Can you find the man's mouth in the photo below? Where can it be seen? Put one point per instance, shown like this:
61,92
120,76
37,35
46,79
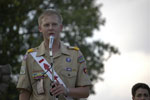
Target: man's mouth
51,34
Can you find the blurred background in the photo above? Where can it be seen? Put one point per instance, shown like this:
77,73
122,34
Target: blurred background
112,34
127,27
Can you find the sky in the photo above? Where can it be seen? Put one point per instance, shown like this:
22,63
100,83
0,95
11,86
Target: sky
127,28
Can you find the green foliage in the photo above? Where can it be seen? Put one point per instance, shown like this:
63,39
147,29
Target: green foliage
19,32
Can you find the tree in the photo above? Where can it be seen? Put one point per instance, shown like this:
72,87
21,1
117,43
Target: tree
19,32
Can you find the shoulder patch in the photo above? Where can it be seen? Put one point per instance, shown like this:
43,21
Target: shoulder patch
30,50
81,59
74,48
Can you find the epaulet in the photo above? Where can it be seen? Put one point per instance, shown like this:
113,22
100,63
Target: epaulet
73,48
30,50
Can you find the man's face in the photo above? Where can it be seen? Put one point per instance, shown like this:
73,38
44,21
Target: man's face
141,94
50,26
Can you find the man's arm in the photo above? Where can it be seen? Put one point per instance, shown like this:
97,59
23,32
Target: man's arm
79,92
24,95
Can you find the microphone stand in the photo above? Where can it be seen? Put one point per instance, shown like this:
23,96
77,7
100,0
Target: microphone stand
51,59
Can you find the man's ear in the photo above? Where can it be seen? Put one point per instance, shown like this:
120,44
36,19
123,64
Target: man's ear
39,28
61,27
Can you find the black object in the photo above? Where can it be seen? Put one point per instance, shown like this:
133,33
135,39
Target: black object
51,93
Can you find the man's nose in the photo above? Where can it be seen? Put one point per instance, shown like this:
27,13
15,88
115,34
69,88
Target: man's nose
50,26
143,98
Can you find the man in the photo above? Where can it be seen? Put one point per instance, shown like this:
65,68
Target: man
140,91
68,62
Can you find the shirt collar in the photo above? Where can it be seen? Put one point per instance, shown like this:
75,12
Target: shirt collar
64,48
42,50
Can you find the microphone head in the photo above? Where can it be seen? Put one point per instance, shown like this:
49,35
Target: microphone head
51,40
51,37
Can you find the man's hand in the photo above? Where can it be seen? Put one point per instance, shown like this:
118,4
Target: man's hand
24,95
77,92
58,89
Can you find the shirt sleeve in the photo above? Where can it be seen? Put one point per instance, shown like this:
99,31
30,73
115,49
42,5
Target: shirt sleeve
82,77
24,79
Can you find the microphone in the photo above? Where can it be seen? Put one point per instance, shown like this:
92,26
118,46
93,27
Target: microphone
51,40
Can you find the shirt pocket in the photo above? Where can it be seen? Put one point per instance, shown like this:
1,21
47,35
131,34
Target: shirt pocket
37,77
69,78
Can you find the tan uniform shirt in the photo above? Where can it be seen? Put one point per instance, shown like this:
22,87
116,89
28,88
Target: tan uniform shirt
69,64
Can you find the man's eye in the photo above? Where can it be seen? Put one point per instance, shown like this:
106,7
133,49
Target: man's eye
139,95
46,25
54,24
145,95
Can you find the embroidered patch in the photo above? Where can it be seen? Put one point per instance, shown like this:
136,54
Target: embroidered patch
68,69
39,75
47,67
56,78
41,60
85,70
22,70
68,59
81,59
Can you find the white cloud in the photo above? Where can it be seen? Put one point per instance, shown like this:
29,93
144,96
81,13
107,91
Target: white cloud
126,23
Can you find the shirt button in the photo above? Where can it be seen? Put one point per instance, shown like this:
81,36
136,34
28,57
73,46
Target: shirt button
68,74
